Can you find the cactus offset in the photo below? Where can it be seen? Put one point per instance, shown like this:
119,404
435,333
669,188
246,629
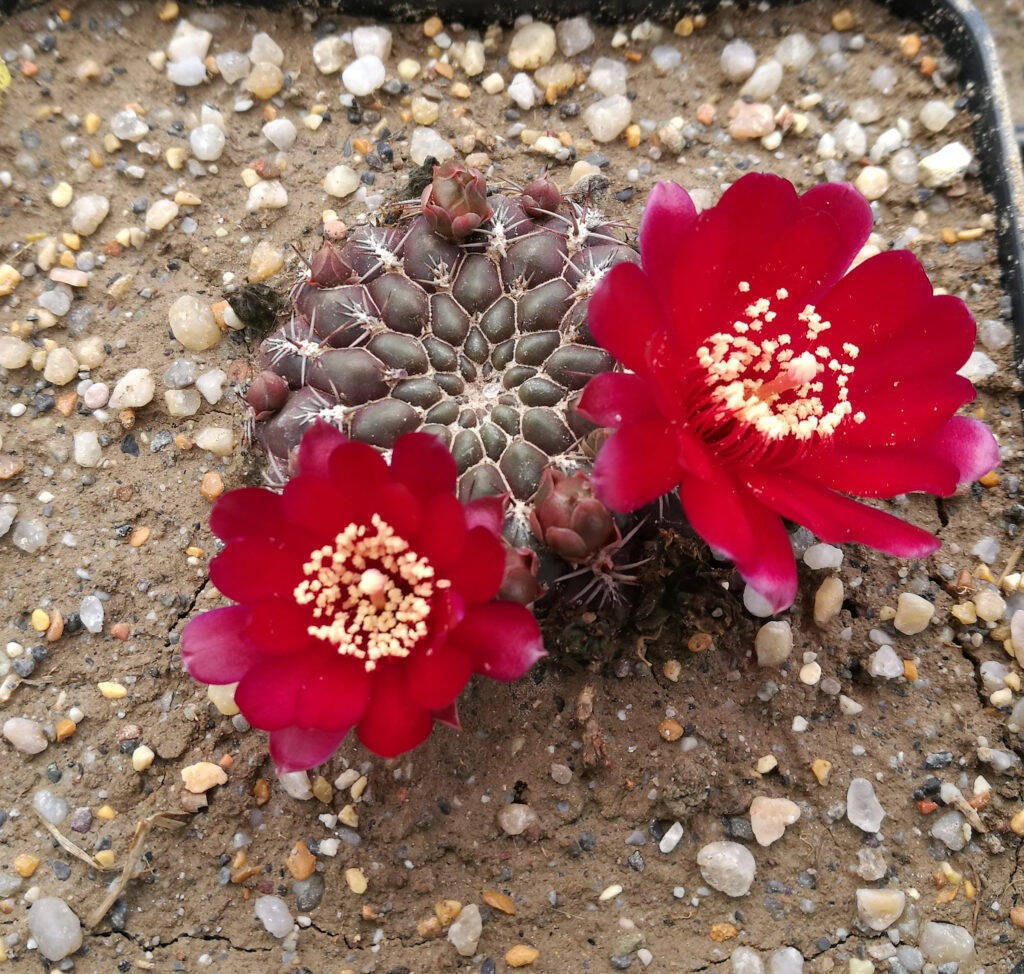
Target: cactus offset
473,332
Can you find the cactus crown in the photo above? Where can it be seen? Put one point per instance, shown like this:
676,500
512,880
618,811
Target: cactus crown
455,202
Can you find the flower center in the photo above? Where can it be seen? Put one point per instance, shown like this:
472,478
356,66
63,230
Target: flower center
781,387
372,591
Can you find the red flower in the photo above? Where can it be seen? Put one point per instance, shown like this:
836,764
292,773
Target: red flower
365,599
763,383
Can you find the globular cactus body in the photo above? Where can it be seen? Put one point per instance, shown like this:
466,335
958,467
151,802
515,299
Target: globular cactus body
467,321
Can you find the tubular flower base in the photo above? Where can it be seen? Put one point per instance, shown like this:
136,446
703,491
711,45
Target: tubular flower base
366,599
764,381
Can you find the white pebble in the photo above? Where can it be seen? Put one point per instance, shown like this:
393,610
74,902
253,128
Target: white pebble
192,323
218,440
133,390
88,212
936,115
574,35
160,214
764,82
267,195
207,142
341,181
364,75
737,60
280,132
329,55
186,73
373,41
87,451
54,927
233,66
608,117
944,167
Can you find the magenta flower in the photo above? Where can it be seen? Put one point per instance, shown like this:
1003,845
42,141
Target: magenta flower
366,599
764,382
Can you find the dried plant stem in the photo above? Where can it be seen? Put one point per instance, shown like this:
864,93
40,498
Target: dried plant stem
67,844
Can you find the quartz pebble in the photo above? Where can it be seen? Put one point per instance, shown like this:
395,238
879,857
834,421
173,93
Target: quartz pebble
773,643
879,909
913,613
90,611
273,913
515,819
738,60
54,927
25,735
341,181
764,82
133,390
819,556
364,75
280,132
944,167
671,838
885,664
86,450
728,867
786,960
794,51
329,55
88,212
769,818
872,182
207,142
936,115
608,76
608,117
61,367
233,66
532,45
52,807
267,195
744,960
14,352
751,120
264,80
523,91
862,807
202,776
218,440
946,943
211,385
128,126
193,324
574,35
186,73
464,934
951,830
160,214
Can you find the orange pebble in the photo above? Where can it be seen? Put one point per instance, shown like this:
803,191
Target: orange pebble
926,807
706,114
120,630
29,69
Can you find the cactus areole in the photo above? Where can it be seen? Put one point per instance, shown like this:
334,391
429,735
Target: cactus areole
367,595
466,321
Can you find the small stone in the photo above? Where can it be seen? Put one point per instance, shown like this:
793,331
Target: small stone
193,324
207,142
951,830
574,35
493,83
561,774
936,115
743,960
273,913
265,50
473,58
372,40
608,118
54,927
773,643
88,212
90,611
280,132
751,120
871,864
764,82
60,195
862,807
329,55
989,605
265,262
14,352
608,76
112,690
464,933
309,892
521,955
341,181
885,664
203,776
356,881
182,402
364,75
25,735
267,195
737,60
794,51
913,614
133,390
515,818
532,46
879,909
61,367
872,182
211,385
186,73
128,126
26,865
944,167
86,450
160,214
786,960
426,142
671,838
728,867
828,600
300,861
233,66
52,807
994,335
769,818
946,943
264,80
142,757
819,556
218,440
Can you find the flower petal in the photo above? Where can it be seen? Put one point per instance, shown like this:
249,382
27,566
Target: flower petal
848,209
315,449
836,519
323,507
434,677
443,535
883,472
424,464
297,749
502,638
392,724
214,647
622,314
356,466
251,568
246,512
967,443
398,506
478,573
279,625
637,464
268,694
614,398
669,214
724,514
334,694
486,512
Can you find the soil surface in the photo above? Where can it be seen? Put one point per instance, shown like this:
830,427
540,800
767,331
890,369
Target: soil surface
585,885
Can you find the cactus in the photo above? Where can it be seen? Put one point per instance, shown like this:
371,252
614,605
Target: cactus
468,321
